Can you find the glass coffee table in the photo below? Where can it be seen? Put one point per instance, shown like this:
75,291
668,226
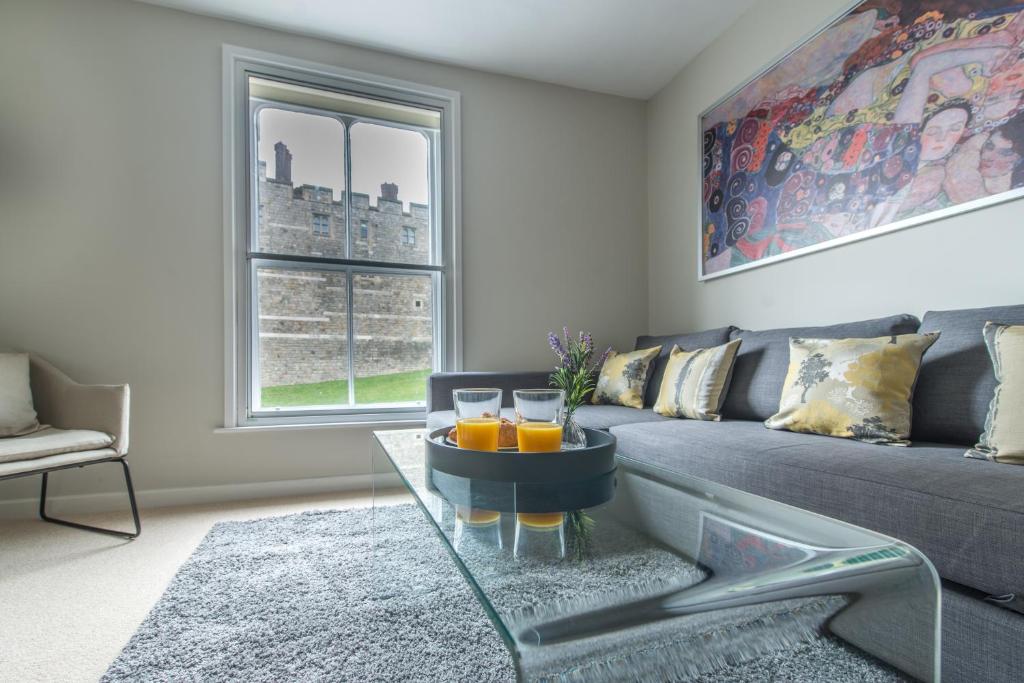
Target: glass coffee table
673,578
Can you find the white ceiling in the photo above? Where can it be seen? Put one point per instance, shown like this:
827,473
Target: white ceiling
623,47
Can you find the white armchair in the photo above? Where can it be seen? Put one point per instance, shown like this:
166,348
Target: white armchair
88,425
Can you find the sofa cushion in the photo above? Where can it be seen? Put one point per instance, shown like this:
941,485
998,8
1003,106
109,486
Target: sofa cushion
594,417
51,441
606,417
763,360
687,342
446,418
965,515
957,382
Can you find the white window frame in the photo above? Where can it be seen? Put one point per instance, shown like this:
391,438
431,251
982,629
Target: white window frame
238,64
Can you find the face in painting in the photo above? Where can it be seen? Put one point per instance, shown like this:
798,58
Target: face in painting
941,134
998,157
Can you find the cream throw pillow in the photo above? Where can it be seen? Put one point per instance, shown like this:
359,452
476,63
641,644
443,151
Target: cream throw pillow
852,388
1003,438
624,377
695,382
17,414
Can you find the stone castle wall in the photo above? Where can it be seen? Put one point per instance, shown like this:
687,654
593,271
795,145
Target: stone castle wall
303,314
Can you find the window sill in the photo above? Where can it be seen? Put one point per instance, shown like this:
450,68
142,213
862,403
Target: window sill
306,426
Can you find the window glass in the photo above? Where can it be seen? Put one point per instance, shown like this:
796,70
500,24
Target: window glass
321,224
394,338
331,331
300,182
303,338
391,190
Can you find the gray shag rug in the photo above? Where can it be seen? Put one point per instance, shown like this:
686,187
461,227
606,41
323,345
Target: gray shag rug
312,597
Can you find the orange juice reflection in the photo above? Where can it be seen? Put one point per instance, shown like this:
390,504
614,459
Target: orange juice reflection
541,520
478,433
476,516
539,437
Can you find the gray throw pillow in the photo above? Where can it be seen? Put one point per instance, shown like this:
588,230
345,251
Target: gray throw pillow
17,413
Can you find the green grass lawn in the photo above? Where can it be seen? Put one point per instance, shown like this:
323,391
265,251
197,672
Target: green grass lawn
400,387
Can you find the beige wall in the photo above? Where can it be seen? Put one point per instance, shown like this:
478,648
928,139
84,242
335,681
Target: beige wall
972,259
111,240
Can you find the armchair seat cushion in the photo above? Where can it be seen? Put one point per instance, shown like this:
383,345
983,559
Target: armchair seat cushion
48,462
51,441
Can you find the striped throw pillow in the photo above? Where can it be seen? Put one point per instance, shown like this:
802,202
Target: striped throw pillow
1003,438
695,382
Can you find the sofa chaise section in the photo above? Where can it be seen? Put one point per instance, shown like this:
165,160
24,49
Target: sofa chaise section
965,515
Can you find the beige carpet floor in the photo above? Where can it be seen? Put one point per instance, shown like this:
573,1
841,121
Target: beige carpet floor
70,600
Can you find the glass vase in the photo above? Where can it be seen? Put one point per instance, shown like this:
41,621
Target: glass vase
572,434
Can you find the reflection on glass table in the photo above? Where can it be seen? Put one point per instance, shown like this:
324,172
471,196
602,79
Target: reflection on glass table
672,576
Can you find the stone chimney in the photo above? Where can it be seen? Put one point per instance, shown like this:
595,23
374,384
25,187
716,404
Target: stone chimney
282,163
389,191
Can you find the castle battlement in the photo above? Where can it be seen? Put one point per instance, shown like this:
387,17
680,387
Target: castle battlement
387,202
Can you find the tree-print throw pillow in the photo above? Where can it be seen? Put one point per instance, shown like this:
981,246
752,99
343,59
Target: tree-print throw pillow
624,377
852,388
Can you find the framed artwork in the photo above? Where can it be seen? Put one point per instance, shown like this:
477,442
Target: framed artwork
895,113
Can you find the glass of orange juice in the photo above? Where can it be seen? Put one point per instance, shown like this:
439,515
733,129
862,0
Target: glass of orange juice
539,417
477,424
477,418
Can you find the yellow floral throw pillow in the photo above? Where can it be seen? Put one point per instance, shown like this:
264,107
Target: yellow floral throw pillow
1003,438
695,381
852,388
624,377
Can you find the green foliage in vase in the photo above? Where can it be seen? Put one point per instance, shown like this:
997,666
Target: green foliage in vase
575,372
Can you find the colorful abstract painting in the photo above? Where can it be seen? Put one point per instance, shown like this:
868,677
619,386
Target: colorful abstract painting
899,112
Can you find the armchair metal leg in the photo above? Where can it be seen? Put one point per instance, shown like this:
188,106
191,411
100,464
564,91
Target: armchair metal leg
86,527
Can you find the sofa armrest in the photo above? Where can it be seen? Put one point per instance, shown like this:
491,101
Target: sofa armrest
440,385
65,404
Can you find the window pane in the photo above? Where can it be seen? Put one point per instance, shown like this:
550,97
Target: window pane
391,191
394,338
303,347
300,184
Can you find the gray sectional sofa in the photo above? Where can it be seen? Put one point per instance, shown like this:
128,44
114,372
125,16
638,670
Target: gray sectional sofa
966,515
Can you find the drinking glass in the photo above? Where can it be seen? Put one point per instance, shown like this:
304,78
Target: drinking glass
539,417
477,424
539,535
482,527
477,418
